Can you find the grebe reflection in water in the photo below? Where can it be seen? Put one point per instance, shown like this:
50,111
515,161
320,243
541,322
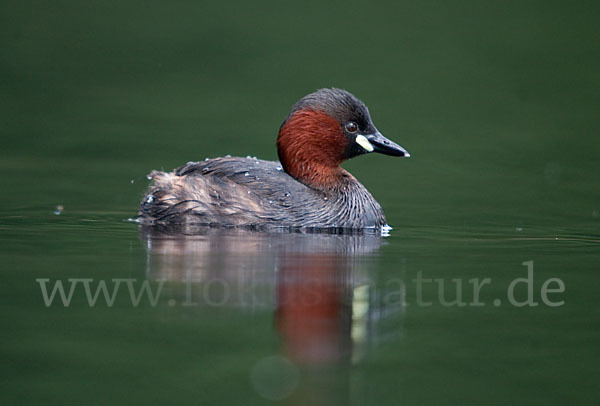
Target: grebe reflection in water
321,287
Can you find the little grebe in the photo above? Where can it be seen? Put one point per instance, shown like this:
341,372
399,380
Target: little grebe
306,189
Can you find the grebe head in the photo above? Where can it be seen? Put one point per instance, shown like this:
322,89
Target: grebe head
324,129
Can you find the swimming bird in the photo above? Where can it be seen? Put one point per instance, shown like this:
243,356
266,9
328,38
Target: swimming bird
307,188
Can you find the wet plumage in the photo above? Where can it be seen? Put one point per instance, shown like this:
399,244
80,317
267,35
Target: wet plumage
243,191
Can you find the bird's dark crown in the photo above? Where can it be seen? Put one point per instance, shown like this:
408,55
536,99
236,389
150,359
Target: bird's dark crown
338,104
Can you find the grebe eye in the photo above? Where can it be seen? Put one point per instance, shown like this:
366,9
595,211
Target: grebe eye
351,127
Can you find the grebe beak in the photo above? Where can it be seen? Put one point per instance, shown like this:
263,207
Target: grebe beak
376,142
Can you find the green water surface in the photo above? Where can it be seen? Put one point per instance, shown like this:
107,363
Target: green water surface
497,102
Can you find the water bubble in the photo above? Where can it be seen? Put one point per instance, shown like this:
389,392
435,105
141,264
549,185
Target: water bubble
227,156
59,209
519,229
149,177
275,377
279,168
248,157
149,199
206,159
132,181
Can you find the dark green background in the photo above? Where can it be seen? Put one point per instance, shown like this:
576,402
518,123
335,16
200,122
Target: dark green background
497,103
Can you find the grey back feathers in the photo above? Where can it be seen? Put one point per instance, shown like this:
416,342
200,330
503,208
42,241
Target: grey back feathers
256,193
